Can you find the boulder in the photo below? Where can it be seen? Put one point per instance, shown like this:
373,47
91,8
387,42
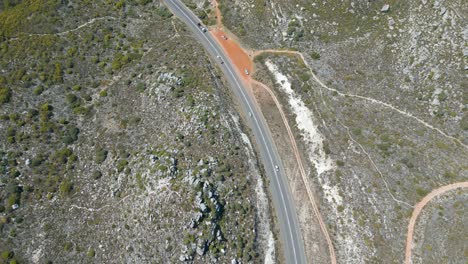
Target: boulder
385,8
201,248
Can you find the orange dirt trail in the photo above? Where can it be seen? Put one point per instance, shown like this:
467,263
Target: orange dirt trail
417,210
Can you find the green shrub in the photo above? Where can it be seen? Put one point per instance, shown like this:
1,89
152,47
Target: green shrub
119,61
421,192
58,73
315,55
163,12
450,175
12,199
141,87
38,90
61,156
71,134
71,52
103,93
340,208
73,100
91,253
45,112
340,163
81,110
66,187
101,155
144,2
68,246
38,160
7,254
120,4
121,165
97,174
5,95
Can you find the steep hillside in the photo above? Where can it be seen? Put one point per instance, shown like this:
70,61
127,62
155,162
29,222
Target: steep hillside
379,105
119,142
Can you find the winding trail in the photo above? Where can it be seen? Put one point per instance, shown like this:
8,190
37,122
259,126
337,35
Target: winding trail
417,210
372,100
91,21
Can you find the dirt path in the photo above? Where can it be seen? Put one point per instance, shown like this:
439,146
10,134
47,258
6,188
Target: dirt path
219,17
417,210
323,227
369,99
92,21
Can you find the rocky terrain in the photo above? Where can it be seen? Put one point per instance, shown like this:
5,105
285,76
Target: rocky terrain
379,105
440,228
119,142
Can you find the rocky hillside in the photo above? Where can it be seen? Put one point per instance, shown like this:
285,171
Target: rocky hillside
119,142
387,109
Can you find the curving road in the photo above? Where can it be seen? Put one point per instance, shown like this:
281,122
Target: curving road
292,244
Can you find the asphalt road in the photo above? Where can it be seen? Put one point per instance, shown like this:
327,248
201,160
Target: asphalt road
291,240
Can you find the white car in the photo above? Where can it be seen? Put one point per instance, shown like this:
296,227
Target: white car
203,29
276,168
246,71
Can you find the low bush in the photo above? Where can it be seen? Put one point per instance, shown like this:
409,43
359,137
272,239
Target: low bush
5,95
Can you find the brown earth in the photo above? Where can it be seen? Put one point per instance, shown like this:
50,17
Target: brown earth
241,59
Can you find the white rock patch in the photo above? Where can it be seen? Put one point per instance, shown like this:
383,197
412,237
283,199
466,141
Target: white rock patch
305,123
270,251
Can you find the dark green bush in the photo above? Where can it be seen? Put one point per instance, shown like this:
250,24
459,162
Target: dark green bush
315,55
101,155
71,134
5,95
97,174
121,165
